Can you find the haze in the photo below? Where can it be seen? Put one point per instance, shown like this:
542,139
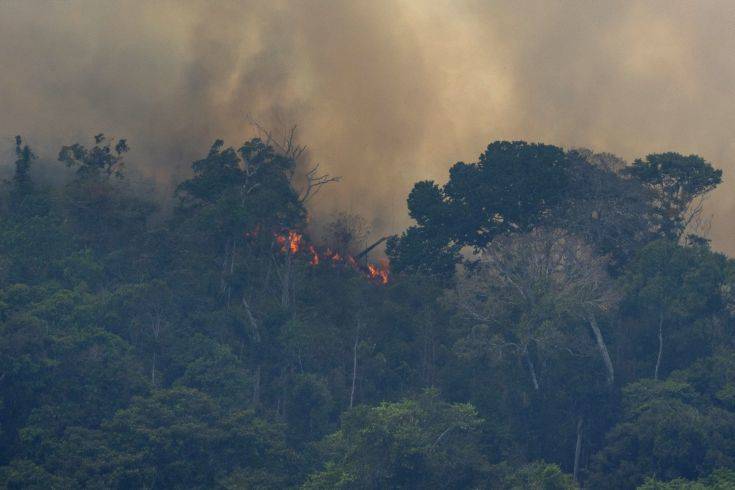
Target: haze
384,93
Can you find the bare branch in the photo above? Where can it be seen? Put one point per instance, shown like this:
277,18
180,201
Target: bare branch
315,182
288,147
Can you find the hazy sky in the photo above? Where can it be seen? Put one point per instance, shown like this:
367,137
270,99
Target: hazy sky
384,92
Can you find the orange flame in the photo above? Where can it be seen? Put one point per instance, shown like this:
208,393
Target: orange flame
314,255
380,273
291,242
294,239
372,270
384,276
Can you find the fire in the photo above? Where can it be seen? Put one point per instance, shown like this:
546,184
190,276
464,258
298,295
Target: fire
385,271
314,255
289,242
384,276
379,273
292,243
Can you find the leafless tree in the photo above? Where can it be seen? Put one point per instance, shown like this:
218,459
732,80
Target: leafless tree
526,287
310,180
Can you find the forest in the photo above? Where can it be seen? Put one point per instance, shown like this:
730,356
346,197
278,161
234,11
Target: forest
552,319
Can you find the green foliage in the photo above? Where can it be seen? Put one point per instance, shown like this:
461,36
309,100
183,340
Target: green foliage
101,161
679,291
22,184
420,443
24,474
191,349
666,431
536,476
676,181
510,188
718,480
239,190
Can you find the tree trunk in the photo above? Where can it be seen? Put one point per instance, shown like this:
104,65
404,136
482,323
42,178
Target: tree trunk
156,330
223,274
354,366
531,369
231,272
153,370
251,319
256,387
660,344
286,285
256,338
578,449
603,349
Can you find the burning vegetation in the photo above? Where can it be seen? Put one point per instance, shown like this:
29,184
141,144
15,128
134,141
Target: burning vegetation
293,243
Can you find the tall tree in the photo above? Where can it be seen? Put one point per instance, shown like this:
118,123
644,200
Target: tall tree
510,188
670,288
528,286
421,443
678,183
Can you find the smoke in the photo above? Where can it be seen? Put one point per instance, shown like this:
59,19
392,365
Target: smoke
384,93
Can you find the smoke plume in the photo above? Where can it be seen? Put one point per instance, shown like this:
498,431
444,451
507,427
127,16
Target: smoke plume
384,93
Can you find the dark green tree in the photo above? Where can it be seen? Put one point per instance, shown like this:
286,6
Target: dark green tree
512,187
678,184
421,443
674,295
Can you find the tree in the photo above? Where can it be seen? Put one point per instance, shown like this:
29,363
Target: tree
420,443
527,286
537,476
207,348
185,440
26,475
419,251
669,288
22,184
666,431
233,192
104,212
608,209
511,188
679,183
720,479
528,296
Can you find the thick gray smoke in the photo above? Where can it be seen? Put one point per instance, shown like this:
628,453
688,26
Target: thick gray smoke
384,93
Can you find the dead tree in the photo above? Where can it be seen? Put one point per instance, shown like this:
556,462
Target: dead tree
370,248
532,281
542,276
311,179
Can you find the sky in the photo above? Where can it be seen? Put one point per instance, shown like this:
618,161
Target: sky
384,93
